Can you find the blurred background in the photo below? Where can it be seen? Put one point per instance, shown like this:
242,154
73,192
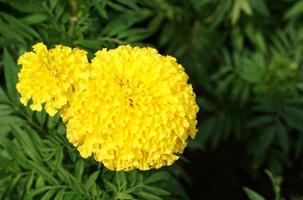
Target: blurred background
244,59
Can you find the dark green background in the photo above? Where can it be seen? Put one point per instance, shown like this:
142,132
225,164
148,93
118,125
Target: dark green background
244,59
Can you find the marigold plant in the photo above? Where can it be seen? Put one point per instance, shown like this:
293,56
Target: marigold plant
135,111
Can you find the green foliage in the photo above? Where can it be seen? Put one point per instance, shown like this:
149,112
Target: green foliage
243,57
276,182
39,164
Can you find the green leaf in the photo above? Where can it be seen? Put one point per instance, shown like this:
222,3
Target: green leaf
35,18
282,136
260,121
110,186
155,190
92,179
100,6
89,43
43,171
263,143
156,177
121,180
147,196
125,21
21,28
238,6
79,170
48,195
10,74
256,37
9,33
293,117
15,152
252,194
30,182
40,183
6,41
5,110
260,6
220,13
11,185
3,96
60,194
124,196
28,146
11,120
28,7
294,11
206,129
129,3
52,122
41,117
253,69
62,173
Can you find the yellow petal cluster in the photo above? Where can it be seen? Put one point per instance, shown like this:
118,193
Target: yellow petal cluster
47,76
136,110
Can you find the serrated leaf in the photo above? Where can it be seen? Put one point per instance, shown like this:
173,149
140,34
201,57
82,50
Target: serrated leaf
9,33
12,185
5,109
35,18
260,121
263,143
123,22
41,117
6,41
60,194
49,194
92,179
293,117
30,182
28,146
220,13
21,28
28,7
11,120
238,6
110,186
124,196
79,170
52,122
40,183
155,190
100,6
3,96
10,74
295,10
156,177
282,136
252,194
15,152
260,7
89,43
121,180
147,196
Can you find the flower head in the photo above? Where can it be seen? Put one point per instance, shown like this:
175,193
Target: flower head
136,110
47,76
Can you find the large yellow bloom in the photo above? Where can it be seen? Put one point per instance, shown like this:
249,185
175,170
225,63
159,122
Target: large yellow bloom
47,76
136,110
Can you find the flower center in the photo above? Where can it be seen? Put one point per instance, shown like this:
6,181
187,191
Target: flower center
130,90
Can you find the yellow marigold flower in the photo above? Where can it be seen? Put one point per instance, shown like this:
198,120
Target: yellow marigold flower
47,76
136,111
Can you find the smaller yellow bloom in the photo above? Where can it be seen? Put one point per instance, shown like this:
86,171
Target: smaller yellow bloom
47,77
